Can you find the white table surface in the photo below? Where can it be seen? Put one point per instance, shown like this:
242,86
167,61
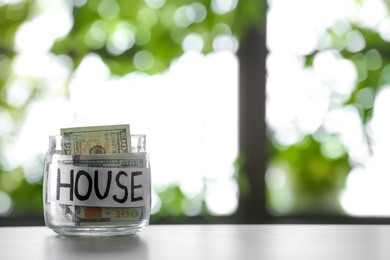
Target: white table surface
220,242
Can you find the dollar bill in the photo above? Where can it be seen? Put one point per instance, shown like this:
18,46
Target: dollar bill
101,146
106,216
96,140
105,161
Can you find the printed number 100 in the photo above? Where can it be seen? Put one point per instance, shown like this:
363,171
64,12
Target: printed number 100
124,213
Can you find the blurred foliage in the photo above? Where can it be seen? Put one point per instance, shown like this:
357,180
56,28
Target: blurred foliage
11,17
136,35
148,36
118,31
26,196
316,179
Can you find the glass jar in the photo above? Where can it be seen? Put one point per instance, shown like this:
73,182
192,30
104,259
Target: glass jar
97,186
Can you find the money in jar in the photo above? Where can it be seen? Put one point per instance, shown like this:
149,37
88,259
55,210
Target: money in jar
97,181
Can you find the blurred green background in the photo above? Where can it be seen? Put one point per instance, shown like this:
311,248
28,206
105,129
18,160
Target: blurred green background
318,163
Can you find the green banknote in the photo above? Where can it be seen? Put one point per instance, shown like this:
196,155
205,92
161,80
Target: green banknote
96,140
101,146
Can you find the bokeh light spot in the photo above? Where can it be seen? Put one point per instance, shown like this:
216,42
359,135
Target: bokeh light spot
355,41
185,15
366,97
121,40
155,3
200,11
372,12
384,29
193,42
96,37
39,33
7,122
361,67
374,59
221,29
92,66
6,204
33,171
275,178
386,73
143,60
79,3
109,9
18,92
324,40
147,17
223,6
332,148
167,16
286,136
221,198
225,43
331,67
301,39
156,203
192,207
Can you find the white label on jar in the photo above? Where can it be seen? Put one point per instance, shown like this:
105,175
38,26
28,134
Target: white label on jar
100,181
